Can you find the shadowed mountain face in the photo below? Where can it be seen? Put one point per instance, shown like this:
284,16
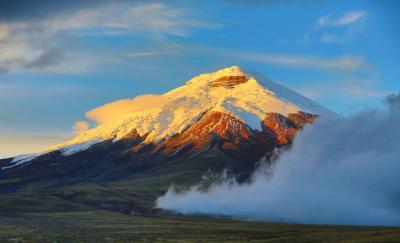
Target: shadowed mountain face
238,122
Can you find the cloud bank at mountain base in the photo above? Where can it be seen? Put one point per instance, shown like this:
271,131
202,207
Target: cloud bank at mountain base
344,171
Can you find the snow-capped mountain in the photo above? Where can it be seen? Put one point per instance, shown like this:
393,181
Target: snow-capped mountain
230,91
230,104
224,121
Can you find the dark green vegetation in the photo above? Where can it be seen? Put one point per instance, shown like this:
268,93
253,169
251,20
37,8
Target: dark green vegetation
107,195
106,176
98,183
105,226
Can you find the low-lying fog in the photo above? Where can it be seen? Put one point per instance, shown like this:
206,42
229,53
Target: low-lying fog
337,172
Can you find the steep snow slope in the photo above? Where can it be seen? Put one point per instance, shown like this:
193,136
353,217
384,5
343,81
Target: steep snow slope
232,91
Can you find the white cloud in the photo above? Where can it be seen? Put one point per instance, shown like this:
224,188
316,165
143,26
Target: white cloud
345,88
148,53
364,92
3,31
125,106
346,19
126,18
337,172
351,17
330,29
343,63
25,44
80,127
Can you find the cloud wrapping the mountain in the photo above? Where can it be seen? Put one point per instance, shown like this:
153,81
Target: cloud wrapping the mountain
80,127
125,106
337,172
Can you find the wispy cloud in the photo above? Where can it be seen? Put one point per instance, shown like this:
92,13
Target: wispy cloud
338,171
346,19
80,127
109,111
127,18
349,75
148,53
37,44
364,91
3,31
342,63
271,2
341,88
337,29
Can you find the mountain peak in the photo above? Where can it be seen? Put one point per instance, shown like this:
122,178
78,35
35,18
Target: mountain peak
230,91
230,71
227,77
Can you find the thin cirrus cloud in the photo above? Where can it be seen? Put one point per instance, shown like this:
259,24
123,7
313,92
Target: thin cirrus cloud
342,63
149,53
338,29
346,19
346,68
272,2
36,44
128,18
345,88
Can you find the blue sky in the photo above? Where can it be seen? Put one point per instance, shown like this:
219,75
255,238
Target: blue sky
58,61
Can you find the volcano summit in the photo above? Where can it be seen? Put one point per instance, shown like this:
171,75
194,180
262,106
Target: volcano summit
229,119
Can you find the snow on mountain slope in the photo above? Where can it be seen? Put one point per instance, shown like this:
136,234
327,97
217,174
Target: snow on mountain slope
293,97
242,95
19,160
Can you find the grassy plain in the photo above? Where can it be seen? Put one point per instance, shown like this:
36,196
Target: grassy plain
105,226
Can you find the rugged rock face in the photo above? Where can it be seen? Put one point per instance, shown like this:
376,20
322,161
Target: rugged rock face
230,135
199,136
229,81
302,118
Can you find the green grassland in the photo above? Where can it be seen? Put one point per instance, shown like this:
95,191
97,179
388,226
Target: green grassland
105,226
105,202
134,192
